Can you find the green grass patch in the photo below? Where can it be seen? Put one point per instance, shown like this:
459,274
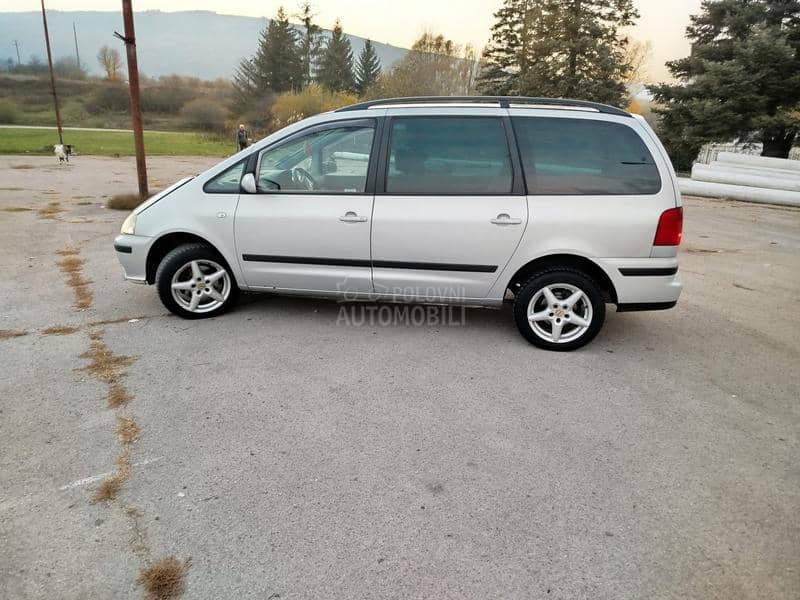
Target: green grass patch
111,143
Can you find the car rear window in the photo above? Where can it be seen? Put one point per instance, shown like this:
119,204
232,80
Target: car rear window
563,156
448,155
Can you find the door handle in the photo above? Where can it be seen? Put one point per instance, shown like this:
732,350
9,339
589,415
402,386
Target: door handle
505,219
351,217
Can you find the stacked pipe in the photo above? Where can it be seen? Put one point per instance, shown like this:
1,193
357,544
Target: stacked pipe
746,177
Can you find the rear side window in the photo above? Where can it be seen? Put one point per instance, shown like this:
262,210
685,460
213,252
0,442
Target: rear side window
580,156
448,155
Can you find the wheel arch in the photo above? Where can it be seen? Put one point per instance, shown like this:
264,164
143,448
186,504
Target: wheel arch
168,242
573,261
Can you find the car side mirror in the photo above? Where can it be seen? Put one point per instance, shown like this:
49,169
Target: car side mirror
248,183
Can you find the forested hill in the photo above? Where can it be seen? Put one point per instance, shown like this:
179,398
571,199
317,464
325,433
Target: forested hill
191,43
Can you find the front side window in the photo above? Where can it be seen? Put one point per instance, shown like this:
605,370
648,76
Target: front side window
226,182
332,160
448,155
562,156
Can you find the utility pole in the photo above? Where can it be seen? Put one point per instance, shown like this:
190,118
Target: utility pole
133,83
77,53
52,77
16,45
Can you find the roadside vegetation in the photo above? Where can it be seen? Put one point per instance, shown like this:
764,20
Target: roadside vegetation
740,83
113,143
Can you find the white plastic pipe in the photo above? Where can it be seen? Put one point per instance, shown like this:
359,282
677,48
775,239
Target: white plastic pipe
702,172
708,189
764,171
758,161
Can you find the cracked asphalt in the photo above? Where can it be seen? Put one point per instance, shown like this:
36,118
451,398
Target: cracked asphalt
288,455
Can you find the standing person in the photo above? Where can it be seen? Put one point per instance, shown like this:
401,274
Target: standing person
241,137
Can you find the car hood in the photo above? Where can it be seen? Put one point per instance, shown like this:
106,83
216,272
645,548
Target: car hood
155,198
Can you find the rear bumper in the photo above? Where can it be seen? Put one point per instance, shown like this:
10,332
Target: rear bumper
645,283
132,254
646,306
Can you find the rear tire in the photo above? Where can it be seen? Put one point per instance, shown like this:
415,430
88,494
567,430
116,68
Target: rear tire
559,309
195,282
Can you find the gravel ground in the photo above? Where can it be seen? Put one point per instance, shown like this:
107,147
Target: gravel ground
288,456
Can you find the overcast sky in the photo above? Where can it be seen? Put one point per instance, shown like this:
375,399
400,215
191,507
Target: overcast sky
399,22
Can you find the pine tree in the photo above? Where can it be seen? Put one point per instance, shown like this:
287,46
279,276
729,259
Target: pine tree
506,58
310,42
367,69
276,67
584,52
336,64
560,48
742,79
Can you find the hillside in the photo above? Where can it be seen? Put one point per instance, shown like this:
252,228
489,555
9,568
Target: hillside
190,43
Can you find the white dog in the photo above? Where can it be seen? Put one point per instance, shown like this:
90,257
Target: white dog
62,151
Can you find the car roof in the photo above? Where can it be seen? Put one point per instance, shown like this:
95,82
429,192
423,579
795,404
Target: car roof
487,101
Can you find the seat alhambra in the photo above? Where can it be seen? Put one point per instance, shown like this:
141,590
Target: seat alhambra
564,205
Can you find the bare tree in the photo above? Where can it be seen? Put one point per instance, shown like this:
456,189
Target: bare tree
434,66
637,55
110,61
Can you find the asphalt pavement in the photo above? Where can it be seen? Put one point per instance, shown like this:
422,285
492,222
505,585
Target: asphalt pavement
289,454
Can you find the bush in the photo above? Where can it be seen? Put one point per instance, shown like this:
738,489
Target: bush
124,201
204,114
111,97
166,98
293,106
9,112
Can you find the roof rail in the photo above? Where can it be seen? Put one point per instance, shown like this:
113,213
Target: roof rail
503,101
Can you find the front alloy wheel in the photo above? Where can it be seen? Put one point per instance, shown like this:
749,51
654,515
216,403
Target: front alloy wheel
201,286
559,309
194,282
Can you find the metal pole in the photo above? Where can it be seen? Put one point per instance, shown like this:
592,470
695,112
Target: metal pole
77,53
52,77
16,45
133,83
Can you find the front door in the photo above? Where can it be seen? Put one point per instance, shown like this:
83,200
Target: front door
449,213
308,226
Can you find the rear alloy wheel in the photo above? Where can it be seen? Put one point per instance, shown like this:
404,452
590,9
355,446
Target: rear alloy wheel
195,283
559,309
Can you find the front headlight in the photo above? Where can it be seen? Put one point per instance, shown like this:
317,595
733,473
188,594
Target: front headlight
129,225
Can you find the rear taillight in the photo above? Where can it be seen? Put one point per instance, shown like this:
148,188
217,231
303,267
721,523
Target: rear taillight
670,228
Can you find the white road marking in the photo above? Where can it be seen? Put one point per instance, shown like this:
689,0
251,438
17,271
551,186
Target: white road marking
93,478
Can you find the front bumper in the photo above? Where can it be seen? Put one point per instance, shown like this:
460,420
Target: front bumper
132,254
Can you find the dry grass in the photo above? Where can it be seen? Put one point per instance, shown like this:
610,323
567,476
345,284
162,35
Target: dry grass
104,365
15,209
72,265
111,486
60,330
11,333
165,579
118,396
109,489
127,430
51,211
124,201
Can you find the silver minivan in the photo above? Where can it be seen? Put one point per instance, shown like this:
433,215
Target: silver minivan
564,205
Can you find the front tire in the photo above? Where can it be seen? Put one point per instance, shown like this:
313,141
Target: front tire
559,309
195,282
